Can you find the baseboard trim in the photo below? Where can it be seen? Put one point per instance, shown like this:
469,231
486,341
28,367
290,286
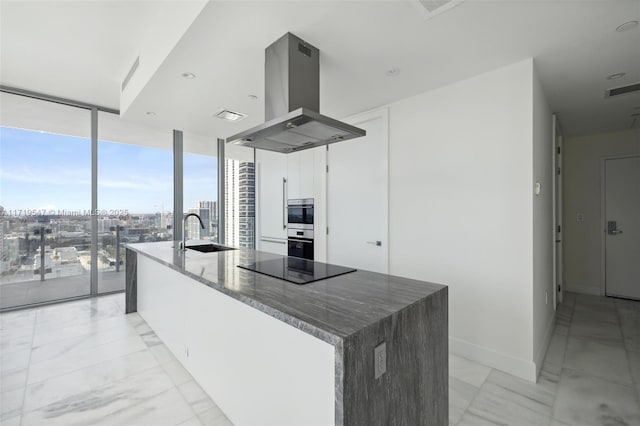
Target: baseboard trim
548,334
516,366
584,289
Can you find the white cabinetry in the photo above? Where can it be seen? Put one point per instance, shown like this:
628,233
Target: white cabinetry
272,201
293,175
305,171
300,173
272,245
281,177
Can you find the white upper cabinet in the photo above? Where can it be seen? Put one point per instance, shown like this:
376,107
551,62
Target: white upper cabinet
300,173
293,175
272,195
306,172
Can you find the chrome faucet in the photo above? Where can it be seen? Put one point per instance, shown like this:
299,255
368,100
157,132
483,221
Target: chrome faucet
183,246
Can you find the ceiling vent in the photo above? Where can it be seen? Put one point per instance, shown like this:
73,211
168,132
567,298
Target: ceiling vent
624,90
132,71
435,7
228,115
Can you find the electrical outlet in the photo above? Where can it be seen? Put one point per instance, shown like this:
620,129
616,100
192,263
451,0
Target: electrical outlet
580,217
380,359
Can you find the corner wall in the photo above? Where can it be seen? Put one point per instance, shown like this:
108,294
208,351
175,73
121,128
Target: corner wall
543,235
461,209
582,194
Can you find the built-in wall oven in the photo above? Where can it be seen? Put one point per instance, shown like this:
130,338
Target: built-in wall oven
300,228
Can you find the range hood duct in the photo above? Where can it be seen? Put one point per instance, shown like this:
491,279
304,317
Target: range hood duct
292,101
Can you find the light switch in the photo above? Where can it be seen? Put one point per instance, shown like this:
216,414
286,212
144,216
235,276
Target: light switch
580,217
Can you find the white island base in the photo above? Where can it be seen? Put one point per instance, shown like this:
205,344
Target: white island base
358,349
258,369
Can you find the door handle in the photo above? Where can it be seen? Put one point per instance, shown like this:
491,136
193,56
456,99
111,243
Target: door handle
284,200
377,243
612,228
272,240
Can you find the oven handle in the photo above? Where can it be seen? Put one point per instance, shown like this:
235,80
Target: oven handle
284,200
301,206
300,240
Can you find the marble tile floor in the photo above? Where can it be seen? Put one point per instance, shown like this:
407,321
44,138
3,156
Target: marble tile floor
590,375
86,363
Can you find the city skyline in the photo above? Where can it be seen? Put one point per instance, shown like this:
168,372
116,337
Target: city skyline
40,170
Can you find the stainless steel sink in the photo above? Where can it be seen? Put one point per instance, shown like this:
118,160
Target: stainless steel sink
209,248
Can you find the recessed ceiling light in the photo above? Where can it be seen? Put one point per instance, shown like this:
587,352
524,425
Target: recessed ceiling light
393,72
616,75
253,97
225,114
627,26
189,75
151,113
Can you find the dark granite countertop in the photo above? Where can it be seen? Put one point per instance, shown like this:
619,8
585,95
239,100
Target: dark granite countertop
330,309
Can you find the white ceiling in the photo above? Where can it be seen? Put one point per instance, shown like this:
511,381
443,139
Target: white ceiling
574,44
75,49
23,112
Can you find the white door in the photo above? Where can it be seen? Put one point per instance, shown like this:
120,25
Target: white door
622,227
357,196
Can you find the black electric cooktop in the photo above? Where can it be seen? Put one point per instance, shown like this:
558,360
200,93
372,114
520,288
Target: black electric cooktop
296,270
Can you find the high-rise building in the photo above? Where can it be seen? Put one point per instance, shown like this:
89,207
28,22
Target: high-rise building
232,202
247,205
208,211
240,203
105,225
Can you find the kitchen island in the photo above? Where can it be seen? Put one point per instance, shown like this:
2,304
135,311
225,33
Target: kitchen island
357,349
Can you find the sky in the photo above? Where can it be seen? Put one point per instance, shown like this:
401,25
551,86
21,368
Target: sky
48,171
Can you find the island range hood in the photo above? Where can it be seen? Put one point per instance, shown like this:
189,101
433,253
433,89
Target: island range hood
292,101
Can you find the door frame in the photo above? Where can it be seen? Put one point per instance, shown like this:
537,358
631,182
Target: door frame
603,218
556,199
354,120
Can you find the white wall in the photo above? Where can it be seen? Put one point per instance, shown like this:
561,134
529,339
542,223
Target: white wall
463,161
461,209
582,194
543,235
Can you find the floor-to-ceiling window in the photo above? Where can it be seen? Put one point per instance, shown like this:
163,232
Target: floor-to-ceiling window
48,219
55,242
200,183
45,194
135,193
